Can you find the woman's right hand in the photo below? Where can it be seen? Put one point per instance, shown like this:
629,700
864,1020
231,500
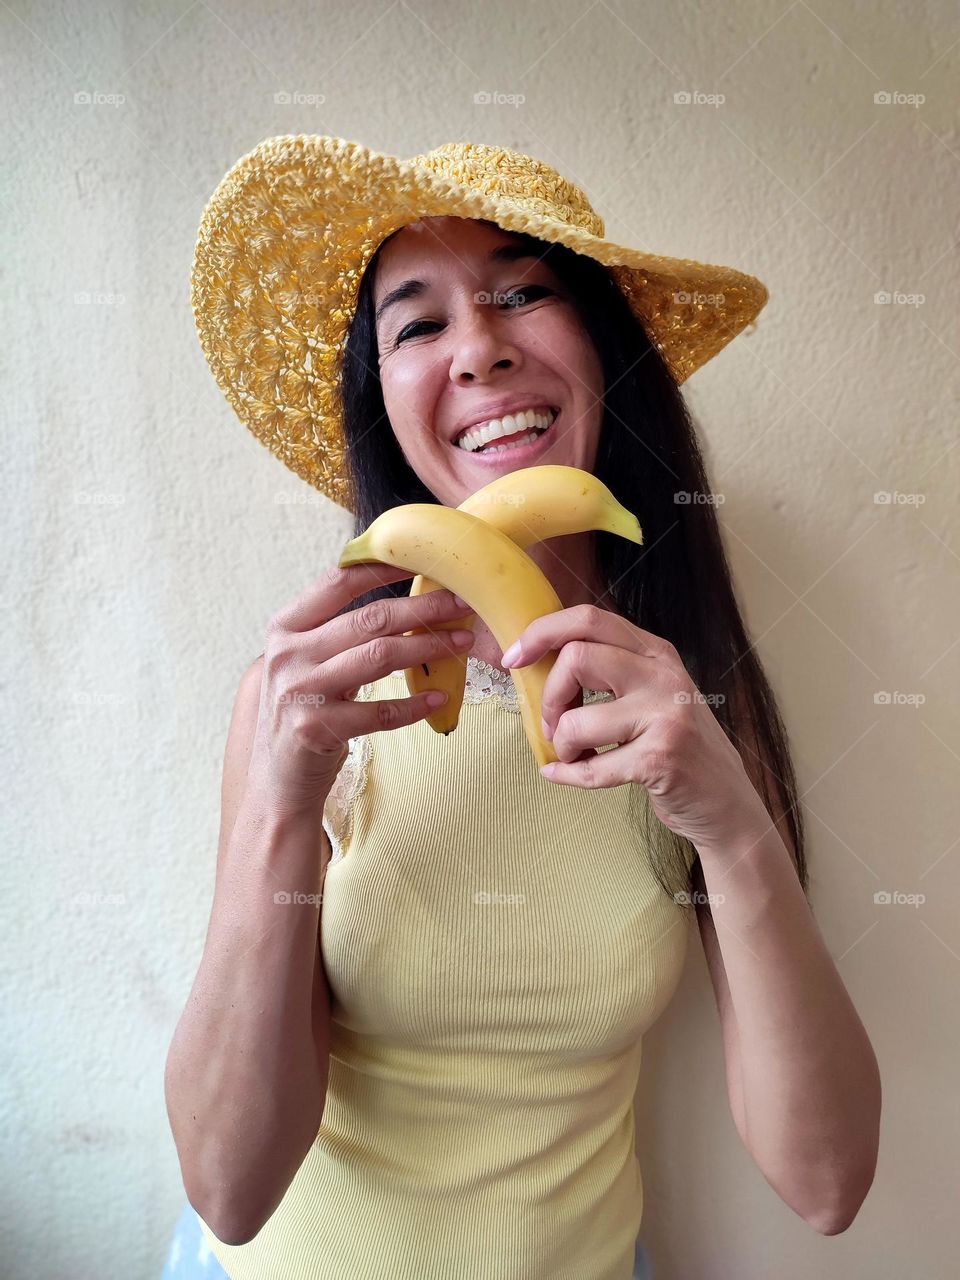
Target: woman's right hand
314,664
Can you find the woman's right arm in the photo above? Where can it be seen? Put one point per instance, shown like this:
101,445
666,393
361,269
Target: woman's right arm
246,1072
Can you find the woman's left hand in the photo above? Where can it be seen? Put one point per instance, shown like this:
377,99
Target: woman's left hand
668,738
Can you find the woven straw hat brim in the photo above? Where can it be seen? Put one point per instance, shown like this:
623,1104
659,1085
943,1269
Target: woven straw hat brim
284,240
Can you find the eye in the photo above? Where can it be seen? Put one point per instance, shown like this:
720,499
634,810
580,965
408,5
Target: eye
526,293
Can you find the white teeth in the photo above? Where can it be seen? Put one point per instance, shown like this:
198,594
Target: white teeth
514,444
531,419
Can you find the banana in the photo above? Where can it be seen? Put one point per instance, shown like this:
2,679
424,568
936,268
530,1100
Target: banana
481,564
528,505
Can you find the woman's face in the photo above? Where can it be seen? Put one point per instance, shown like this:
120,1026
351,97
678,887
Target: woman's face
480,337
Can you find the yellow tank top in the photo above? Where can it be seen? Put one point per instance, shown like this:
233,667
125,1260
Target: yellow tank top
496,945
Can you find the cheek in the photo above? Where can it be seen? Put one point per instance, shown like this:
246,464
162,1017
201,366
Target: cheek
562,344
410,386
405,387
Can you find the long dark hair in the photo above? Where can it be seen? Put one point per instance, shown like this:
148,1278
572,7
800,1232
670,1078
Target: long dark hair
677,586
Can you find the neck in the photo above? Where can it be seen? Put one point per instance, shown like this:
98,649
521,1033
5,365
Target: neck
570,564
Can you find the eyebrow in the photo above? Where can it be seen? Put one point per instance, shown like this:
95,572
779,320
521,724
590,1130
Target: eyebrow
414,288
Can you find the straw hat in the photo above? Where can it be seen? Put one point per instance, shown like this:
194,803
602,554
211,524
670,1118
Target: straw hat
286,236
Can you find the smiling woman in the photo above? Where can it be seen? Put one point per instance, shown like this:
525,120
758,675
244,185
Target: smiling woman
492,947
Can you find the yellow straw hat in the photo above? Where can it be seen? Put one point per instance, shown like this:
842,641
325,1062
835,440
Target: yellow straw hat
286,236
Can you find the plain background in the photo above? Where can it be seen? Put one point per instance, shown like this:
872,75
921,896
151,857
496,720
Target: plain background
149,537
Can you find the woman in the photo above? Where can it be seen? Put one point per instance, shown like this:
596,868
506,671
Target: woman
478,1112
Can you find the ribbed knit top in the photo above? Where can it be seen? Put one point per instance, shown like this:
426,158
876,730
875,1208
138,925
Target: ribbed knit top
496,945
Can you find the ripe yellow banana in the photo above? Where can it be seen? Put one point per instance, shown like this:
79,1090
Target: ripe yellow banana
475,560
528,505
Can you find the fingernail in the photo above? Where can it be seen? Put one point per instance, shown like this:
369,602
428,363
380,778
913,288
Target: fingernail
435,698
512,654
461,602
547,731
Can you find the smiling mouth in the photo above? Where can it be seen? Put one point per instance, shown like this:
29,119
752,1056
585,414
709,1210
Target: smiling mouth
526,435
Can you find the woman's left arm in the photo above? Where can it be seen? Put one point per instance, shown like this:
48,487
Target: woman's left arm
810,1080
809,1076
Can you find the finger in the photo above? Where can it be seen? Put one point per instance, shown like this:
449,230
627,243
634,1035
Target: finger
354,719
586,622
387,617
332,591
384,655
583,664
604,769
585,729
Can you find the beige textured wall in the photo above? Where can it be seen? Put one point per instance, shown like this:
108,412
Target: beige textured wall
149,538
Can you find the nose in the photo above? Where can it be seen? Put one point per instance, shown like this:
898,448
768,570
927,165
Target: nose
481,344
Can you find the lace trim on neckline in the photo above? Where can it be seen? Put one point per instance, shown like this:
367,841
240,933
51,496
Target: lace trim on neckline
484,683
